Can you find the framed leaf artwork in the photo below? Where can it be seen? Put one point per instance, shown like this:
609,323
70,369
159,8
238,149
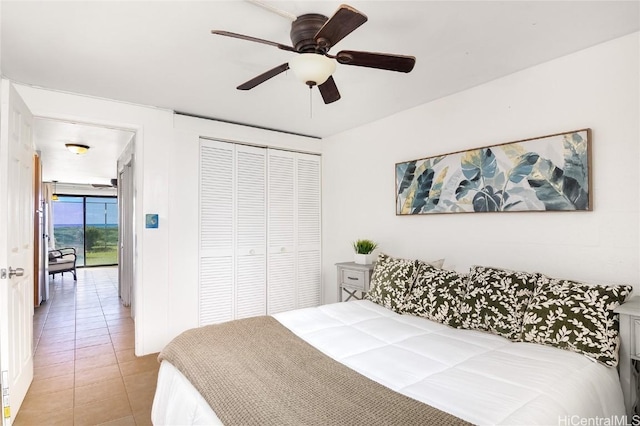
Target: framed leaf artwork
549,173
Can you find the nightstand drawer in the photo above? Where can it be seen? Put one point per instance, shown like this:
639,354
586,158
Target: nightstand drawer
354,279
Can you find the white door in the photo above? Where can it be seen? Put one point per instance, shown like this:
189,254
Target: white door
16,250
251,232
281,238
217,236
308,234
294,237
232,231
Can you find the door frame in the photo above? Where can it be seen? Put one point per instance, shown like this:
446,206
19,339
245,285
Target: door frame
126,219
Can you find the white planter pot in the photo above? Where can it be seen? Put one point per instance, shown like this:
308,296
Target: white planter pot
363,259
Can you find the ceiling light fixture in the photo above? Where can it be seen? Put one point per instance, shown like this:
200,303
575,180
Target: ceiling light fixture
312,68
77,148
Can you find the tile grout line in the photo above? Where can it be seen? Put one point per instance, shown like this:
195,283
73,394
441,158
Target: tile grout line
93,296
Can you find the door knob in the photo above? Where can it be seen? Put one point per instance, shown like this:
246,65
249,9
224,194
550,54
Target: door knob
18,272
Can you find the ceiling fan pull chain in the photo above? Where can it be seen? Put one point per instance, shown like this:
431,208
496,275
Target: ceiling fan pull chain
310,102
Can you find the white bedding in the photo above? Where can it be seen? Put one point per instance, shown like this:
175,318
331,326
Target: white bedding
477,376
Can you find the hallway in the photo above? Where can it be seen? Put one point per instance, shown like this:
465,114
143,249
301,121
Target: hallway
85,370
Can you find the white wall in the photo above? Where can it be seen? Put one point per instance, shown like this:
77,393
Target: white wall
166,177
154,137
596,88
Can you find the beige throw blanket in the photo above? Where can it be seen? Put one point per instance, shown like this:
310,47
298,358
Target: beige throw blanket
256,372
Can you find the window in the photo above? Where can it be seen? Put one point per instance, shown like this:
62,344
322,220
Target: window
90,224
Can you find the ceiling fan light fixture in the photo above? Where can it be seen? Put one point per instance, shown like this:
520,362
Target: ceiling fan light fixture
312,68
76,148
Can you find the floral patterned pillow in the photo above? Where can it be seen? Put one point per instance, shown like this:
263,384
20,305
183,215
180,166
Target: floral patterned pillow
496,300
576,316
436,295
391,280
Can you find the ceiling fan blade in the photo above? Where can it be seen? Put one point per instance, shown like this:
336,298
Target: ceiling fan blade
341,24
329,91
264,77
381,61
257,40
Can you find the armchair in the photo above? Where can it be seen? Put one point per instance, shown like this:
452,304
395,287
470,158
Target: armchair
63,260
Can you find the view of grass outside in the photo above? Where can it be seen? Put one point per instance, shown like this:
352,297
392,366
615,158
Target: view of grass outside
90,224
101,232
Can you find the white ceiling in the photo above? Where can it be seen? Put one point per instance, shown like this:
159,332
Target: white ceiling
97,166
163,54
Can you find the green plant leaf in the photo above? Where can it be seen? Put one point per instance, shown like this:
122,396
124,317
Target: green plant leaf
451,207
464,187
556,190
364,246
405,173
526,196
510,205
478,163
436,191
575,159
487,200
425,181
408,201
523,167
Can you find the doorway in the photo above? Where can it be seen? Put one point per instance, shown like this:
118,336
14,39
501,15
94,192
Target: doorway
86,190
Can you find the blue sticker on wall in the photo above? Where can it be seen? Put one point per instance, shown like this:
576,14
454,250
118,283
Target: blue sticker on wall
151,221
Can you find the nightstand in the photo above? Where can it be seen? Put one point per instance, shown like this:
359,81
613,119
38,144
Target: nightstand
353,280
629,363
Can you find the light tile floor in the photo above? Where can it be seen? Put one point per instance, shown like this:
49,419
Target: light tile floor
85,369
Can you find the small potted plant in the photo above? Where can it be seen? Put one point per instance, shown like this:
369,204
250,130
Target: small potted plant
363,249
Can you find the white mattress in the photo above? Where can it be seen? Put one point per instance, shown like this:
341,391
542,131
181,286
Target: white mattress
477,376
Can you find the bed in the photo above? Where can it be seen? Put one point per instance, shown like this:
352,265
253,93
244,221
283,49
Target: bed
429,346
476,376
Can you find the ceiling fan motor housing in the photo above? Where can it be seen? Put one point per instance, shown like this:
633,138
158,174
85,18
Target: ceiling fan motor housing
304,30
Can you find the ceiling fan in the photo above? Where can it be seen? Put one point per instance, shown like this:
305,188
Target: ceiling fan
312,35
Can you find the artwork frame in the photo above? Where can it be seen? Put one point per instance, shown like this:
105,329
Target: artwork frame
541,174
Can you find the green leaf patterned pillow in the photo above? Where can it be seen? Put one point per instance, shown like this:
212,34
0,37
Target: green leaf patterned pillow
576,316
436,295
496,300
391,280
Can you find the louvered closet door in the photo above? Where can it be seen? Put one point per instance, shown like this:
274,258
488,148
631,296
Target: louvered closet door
308,230
251,232
281,266
216,232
